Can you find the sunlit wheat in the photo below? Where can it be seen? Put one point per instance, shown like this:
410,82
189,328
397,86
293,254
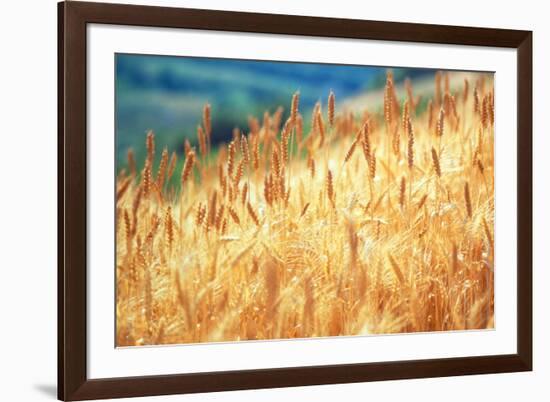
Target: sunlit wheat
368,223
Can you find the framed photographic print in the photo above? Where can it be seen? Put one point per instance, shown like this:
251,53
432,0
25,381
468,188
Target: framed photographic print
252,200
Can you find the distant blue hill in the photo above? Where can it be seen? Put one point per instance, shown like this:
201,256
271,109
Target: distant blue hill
166,93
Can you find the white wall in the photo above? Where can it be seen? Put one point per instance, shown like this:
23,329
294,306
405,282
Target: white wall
28,199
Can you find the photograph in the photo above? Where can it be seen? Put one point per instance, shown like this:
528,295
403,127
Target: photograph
275,201
266,200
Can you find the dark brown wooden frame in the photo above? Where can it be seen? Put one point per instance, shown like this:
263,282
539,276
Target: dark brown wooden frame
73,383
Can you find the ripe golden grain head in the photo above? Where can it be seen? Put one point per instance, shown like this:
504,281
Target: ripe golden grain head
440,128
430,114
256,152
372,165
131,162
187,167
405,116
466,90
410,143
477,108
244,193
201,136
435,162
320,127
146,180
150,145
388,99
234,215
239,173
252,213
207,120
245,150
294,108
402,189
330,188
311,166
169,227
201,213
172,165
163,166
330,108
438,94
351,149
231,150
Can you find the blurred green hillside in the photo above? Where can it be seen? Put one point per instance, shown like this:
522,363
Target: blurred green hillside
166,94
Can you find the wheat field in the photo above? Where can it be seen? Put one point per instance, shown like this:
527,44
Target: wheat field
365,223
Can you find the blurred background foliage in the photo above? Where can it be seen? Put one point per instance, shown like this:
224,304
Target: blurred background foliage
166,94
